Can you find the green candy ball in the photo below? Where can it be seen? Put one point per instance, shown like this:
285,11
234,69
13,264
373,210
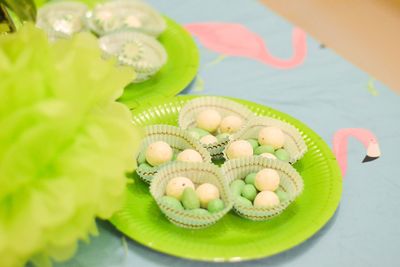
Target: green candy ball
282,154
253,143
243,202
222,136
249,192
264,149
283,196
197,133
200,212
215,205
171,202
175,155
250,178
141,158
189,199
237,186
145,166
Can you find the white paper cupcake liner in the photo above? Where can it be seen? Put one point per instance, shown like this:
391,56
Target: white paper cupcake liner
294,143
187,117
199,173
62,19
290,182
177,138
153,54
118,15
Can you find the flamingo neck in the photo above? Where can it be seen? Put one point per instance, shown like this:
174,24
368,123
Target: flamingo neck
299,46
340,143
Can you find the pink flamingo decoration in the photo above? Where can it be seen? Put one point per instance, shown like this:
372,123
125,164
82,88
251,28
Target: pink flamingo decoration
236,40
340,142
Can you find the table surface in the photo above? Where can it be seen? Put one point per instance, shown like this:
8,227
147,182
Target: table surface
325,92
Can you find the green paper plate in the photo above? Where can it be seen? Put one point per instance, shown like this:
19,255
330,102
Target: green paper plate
234,238
174,76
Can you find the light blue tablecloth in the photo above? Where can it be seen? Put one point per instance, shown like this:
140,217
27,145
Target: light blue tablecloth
327,93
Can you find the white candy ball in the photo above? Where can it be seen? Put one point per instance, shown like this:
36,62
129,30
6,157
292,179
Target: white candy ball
266,199
267,179
208,139
207,192
239,148
208,120
158,153
230,124
272,136
176,186
189,155
268,155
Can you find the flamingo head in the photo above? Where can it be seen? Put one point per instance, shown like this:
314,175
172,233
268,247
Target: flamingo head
373,151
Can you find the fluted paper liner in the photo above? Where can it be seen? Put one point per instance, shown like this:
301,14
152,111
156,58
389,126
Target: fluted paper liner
177,138
152,23
187,117
290,182
154,57
199,173
294,143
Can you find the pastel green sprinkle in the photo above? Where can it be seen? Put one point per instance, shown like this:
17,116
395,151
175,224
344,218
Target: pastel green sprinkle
243,202
263,149
253,143
215,205
250,178
171,202
189,199
249,192
282,154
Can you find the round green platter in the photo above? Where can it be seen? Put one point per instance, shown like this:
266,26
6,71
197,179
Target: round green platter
234,238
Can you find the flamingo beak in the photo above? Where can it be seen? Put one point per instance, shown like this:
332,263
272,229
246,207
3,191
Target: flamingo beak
368,158
373,152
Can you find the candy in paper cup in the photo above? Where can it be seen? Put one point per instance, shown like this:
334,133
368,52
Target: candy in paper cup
177,138
294,143
198,173
62,19
290,182
119,15
225,107
143,53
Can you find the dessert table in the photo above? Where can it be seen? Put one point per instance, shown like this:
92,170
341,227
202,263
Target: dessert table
301,77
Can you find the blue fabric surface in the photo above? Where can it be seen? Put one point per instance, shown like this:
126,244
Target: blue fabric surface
325,92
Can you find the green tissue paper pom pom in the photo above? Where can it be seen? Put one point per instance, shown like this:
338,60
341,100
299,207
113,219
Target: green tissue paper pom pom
65,144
